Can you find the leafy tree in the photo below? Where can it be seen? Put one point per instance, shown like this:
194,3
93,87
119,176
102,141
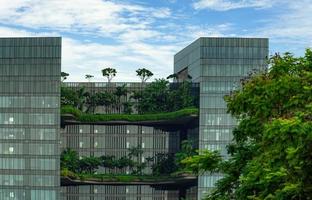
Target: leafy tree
127,107
187,150
173,76
69,160
271,153
134,154
120,91
164,164
64,76
124,162
89,164
204,161
155,97
69,97
92,100
135,151
105,99
89,77
108,161
180,96
144,74
75,98
109,73
82,97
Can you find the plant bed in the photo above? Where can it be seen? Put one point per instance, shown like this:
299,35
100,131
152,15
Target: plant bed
123,179
73,115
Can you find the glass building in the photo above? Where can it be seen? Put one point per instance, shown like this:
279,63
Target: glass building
29,118
218,64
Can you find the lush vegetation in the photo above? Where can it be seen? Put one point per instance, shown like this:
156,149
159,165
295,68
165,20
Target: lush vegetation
155,97
271,154
116,177
83,117
162,165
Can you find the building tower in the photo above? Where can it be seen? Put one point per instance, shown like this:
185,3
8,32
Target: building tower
218,64
29,118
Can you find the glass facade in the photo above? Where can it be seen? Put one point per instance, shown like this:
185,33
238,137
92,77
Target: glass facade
218,64
115,140
126,192
29,118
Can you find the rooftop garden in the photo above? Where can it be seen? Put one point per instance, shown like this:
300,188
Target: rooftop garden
157,100
164,166
85,117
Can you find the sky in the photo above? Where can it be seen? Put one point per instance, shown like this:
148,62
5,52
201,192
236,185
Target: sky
132,34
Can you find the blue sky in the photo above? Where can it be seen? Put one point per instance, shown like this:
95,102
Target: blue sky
131,34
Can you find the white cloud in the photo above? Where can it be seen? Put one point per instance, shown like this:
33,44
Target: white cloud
291,30
224,5
93,16
98,34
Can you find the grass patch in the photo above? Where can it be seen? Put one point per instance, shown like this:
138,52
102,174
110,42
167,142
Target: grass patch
70,110
115,177
83,117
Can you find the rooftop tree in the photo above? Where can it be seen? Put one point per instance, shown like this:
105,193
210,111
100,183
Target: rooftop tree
144,74
64,76
105,99
120,91
89,77
173,76
109,73
154,97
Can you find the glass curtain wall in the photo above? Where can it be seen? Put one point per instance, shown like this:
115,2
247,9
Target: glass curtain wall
218,64
29,118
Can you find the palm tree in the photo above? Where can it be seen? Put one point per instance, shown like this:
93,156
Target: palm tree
120,91
64,76
105,99
89,77
109,73
174,77
144,74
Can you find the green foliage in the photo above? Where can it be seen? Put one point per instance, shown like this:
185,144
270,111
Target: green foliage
204,161
120,91
135,151
162,164
271,153
128,117
159,97
91,102
67,173
69,160
108,161
109,73
165,164
154,97
180,97
89,164
70,110
124,162
173,76
116,177
187,150
144,74
89,77
69,97
127,107
105,99
64,76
